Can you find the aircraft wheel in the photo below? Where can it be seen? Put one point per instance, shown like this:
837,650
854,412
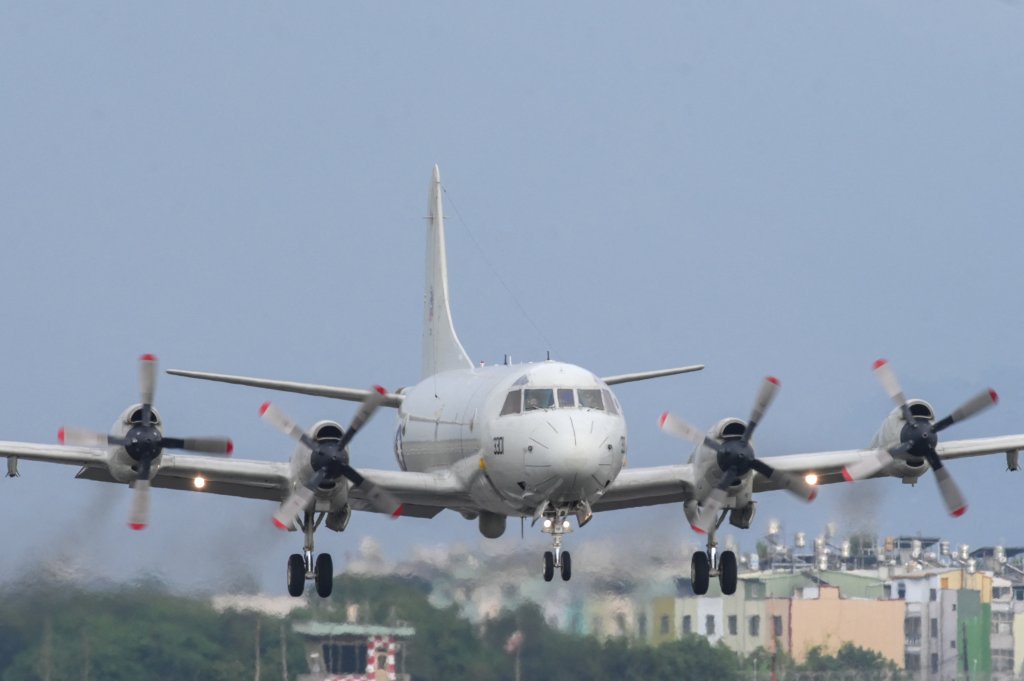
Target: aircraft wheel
700,573
727,572
324,575
549,566
566,566
296,575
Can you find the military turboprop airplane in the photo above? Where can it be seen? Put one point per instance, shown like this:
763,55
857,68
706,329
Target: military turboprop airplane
544,441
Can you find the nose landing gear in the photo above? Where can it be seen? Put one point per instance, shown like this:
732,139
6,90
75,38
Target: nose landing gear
557,524
302,567
709,563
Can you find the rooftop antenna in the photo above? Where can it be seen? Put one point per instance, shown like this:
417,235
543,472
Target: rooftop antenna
549,355
508,359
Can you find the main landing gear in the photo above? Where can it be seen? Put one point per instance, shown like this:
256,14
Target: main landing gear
301,566
709,563
557,524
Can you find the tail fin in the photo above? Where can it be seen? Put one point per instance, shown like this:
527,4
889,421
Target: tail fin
442,350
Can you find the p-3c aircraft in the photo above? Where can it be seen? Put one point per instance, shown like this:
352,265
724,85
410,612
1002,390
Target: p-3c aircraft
544,441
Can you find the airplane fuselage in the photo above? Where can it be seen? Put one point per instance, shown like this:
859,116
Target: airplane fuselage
530,433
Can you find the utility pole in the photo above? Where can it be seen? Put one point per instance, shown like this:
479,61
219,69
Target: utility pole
284,654
256,676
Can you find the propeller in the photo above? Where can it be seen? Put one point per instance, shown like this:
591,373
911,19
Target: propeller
919,439
329,459
736,458
144,443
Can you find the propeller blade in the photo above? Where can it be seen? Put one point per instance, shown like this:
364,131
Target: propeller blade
81,437
791,482
955,502
147,378
277,418
867,465
769,388
139,515
673,425
203,445
373,400
296,503
983,400
379,498
887,377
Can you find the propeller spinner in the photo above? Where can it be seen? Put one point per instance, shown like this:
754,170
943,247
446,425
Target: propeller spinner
919,439
736,458
329,459
144,443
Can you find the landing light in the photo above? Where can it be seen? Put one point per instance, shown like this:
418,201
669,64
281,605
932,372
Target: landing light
811,479
199,482
565,524
547,523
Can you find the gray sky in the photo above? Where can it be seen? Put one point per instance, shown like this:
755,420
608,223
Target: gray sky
795,188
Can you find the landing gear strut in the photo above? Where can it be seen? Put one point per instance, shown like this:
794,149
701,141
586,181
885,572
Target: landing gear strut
557,524
709,563
301,566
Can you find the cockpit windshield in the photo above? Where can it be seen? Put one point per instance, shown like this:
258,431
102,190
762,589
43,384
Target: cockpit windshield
532,399
539,398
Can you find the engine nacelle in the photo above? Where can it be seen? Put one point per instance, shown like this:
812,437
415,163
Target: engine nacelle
122,467
889,436
334,490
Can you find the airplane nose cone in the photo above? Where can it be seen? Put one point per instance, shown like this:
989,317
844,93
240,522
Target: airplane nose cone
571,446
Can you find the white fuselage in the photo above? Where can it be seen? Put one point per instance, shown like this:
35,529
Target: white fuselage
524,434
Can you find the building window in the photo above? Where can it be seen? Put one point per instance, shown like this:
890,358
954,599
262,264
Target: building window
933,595
709,625
344,659
664,624
777,625
733,628
643,627
952,644
935,663
901,590
687,625
935,627
755,625
913,662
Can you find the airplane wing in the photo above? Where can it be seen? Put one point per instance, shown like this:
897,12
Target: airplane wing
423,495
72,456
350,394
648,487
828,466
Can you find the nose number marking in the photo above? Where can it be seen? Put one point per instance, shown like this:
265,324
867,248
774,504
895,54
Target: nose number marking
499,446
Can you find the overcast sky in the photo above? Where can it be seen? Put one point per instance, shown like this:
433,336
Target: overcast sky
794,188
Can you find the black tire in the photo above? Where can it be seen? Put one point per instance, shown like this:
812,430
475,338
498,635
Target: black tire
549,566
296,575
566,566
700,573
727,572
324,575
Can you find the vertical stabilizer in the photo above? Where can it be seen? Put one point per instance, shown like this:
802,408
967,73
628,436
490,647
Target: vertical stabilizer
442,350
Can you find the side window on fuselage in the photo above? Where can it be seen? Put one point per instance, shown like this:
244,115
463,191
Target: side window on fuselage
513,403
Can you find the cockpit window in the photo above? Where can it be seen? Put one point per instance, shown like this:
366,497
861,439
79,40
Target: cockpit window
566,398
539,398
513,403
591,399
609,402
